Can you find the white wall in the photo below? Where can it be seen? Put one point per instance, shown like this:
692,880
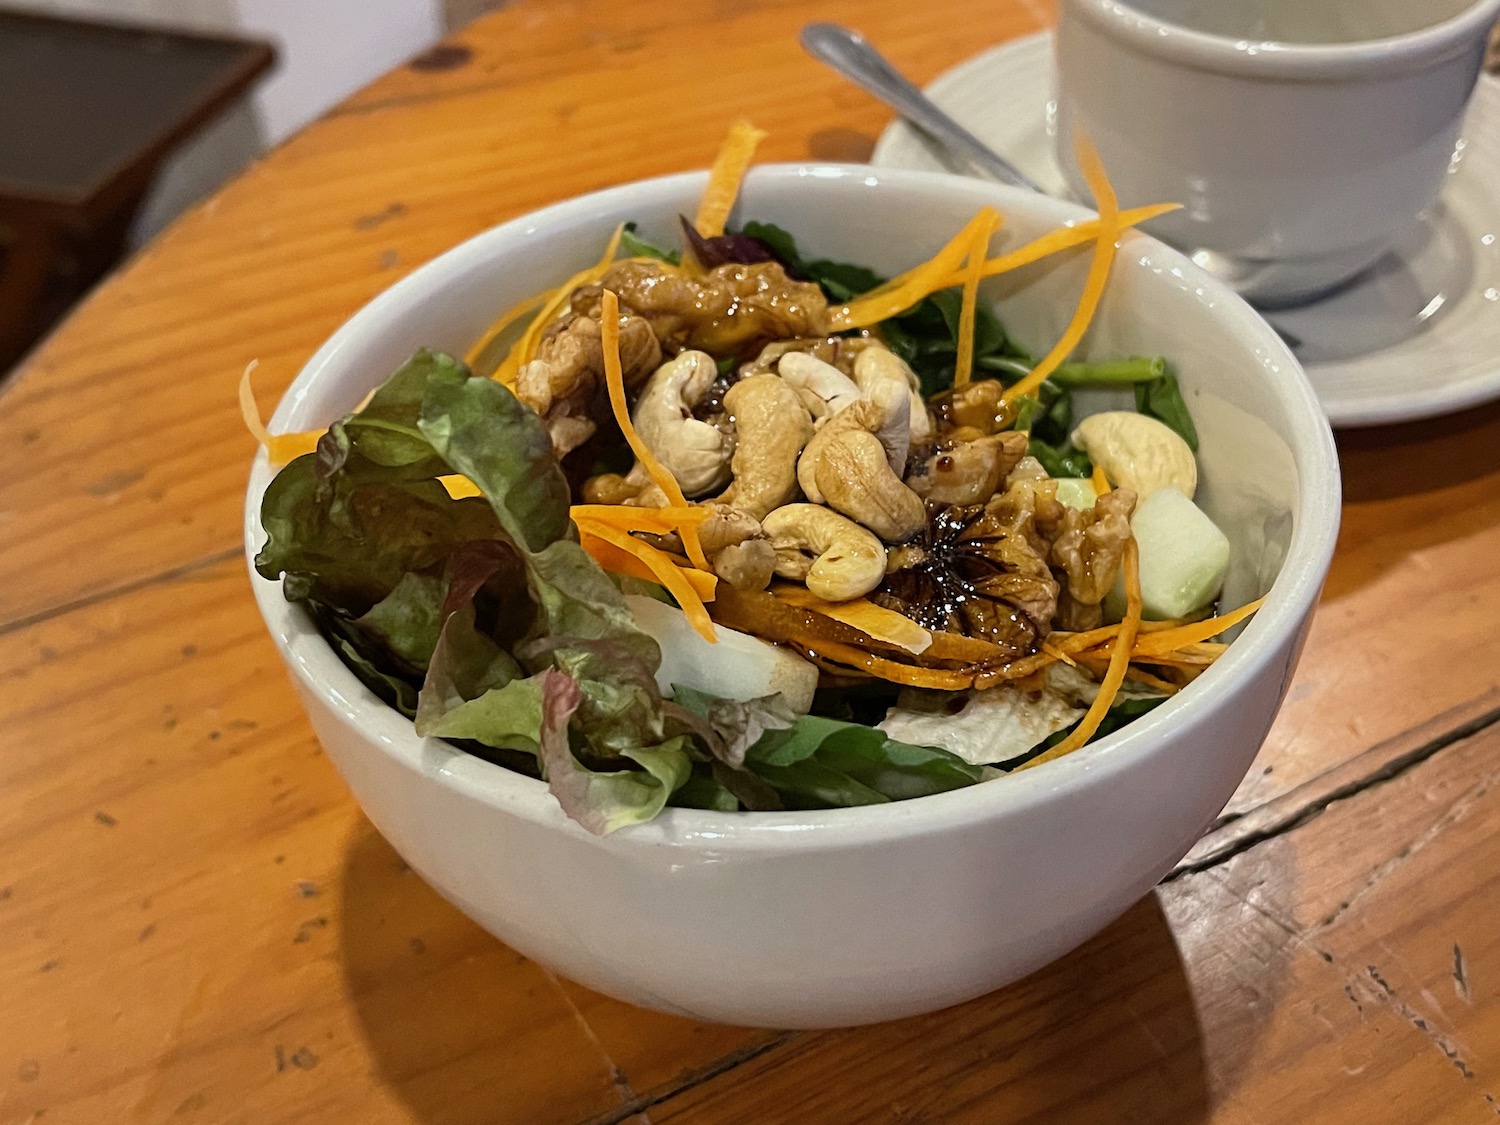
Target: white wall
329,49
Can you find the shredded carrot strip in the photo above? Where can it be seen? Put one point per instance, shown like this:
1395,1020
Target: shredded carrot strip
1015,670
618,560
1119,663
288,447
862,614
1080,642
1058,654
966,310
614,380
1156,683
459,486
249,411
665,571
1063,238
524,349
901,293
280,448
1185,658
1180,637
734,157
1093,286
1098,663
501,326
940,679
553,300
628,517
1100,481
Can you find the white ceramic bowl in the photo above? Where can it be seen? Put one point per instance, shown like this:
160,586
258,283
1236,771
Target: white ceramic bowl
852,915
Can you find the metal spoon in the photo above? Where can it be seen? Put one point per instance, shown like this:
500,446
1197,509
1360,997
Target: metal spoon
849,53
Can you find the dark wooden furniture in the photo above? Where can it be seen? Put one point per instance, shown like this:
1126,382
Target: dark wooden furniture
88,112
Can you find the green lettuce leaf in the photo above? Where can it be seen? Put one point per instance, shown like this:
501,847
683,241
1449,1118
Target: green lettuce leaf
737,724
408,619
603,801
483,431
348,541
385,431
462,695
1162,399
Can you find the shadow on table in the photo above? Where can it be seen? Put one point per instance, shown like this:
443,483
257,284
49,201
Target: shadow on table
1108,1033
461,1028
458,1024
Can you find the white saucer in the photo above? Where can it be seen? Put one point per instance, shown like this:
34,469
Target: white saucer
1415,336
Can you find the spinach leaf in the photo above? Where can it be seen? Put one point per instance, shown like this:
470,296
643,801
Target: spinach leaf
637,247
1162,399
819,762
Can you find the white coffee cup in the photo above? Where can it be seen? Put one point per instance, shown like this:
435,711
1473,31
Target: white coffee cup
1303,137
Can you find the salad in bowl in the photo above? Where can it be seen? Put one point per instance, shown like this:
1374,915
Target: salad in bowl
807,570
724,527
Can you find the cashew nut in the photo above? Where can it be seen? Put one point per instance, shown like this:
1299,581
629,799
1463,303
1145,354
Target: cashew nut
893,408
1138,452
856,460
636,488
697,453
834,556
852,474
773,426
822,387
971,471
737,548
862,416
837,350
877,363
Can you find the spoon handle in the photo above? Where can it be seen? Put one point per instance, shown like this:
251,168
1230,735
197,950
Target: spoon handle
851,55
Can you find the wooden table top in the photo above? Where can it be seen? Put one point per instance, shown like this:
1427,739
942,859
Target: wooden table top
198,925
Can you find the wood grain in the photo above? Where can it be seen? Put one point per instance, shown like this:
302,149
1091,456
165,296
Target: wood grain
196,924
195,915
1338,973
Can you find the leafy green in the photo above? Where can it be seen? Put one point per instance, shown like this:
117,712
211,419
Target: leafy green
449,609
374,668
474,690
738,724
602,800
1109,372
1066,460
1162,399
820,762
347,540
637,247
841,281
704,791
1047,420
408,619
811,761
462,694
483,431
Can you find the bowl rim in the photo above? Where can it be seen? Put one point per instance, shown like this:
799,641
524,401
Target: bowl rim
1289,602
